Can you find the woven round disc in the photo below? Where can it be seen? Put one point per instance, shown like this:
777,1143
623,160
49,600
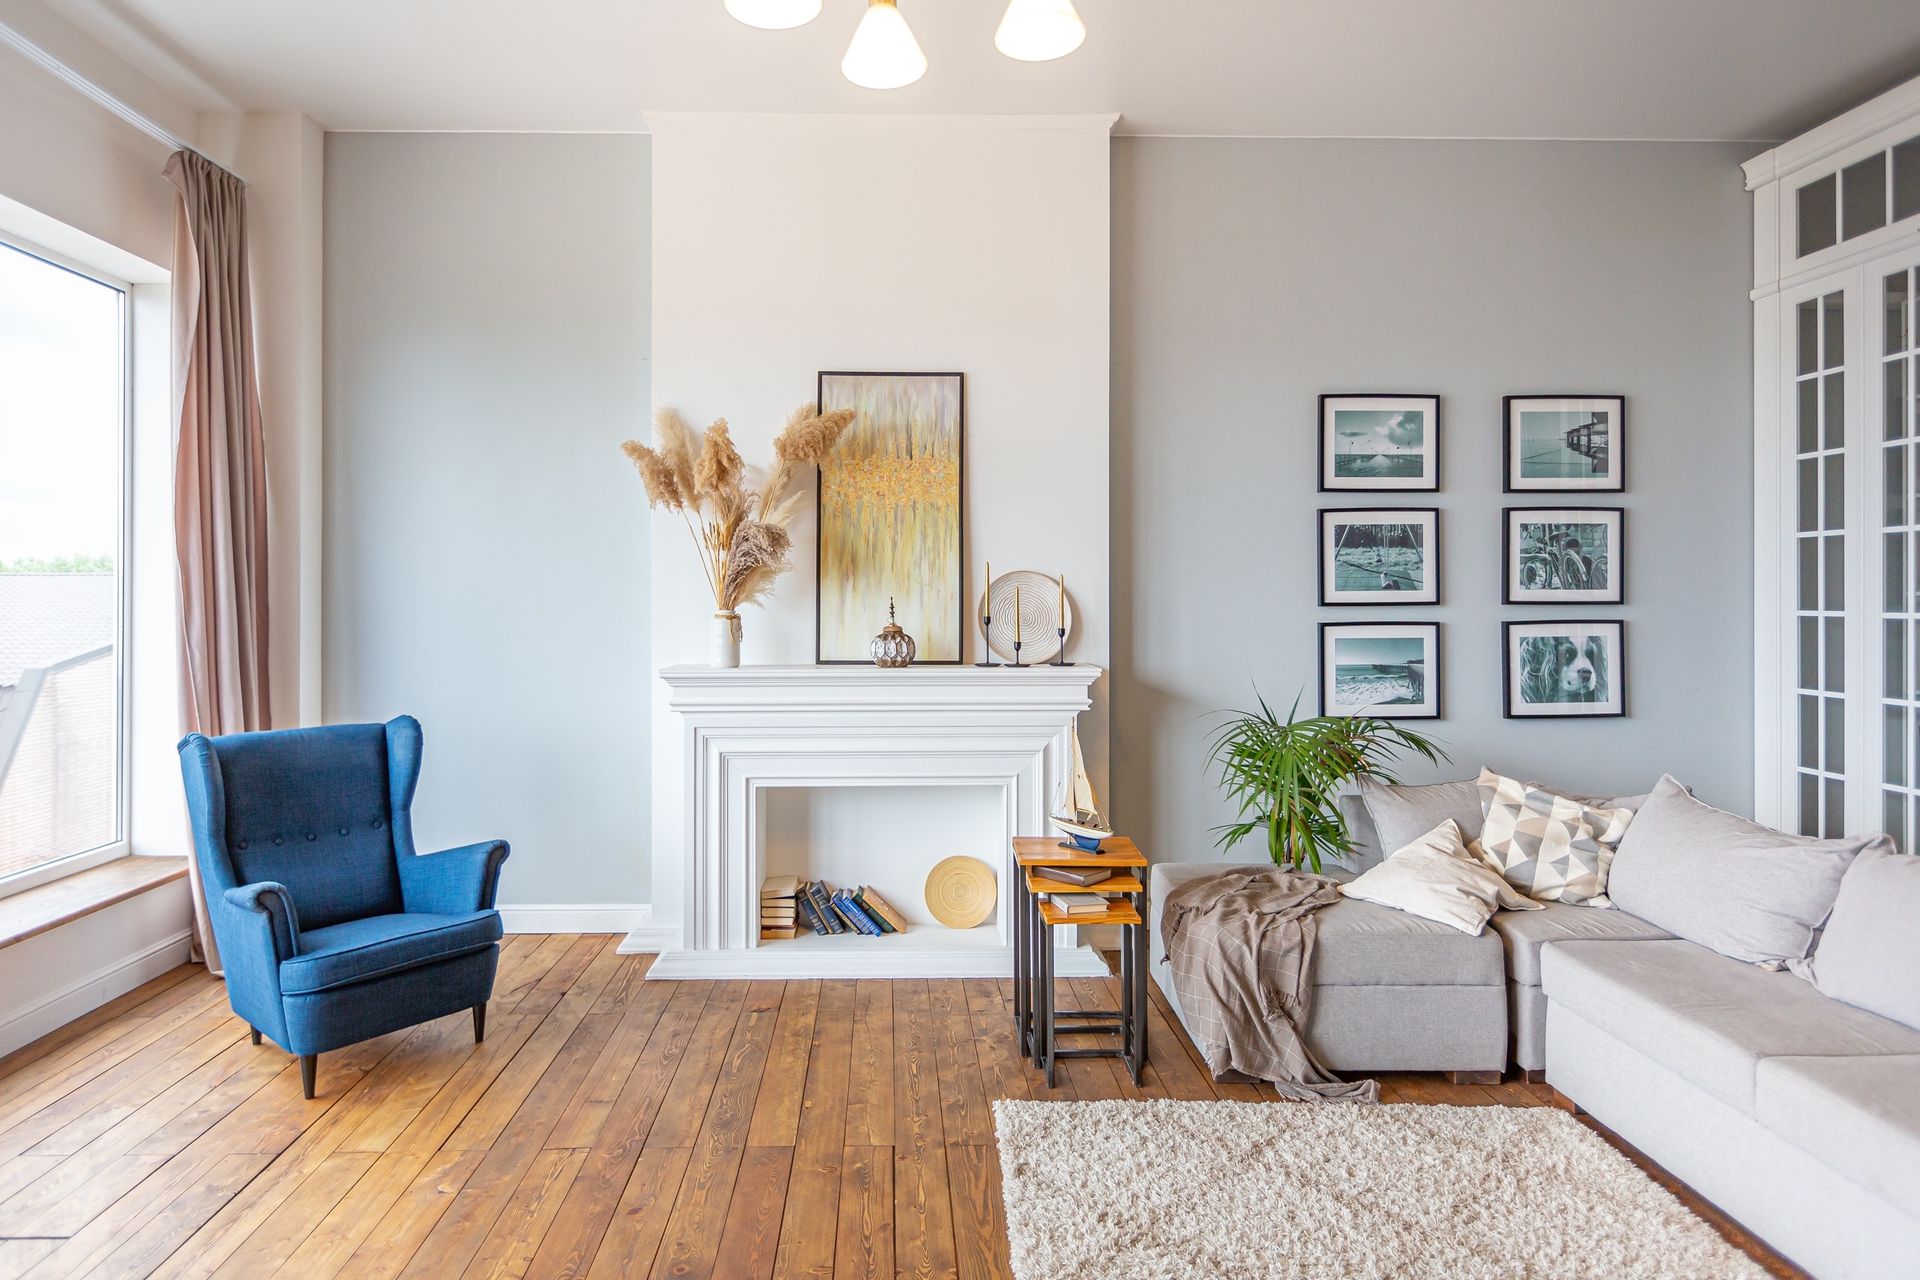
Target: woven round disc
961,892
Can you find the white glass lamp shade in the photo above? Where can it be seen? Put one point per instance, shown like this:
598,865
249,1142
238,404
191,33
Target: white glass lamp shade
884,54
774,15
1039,30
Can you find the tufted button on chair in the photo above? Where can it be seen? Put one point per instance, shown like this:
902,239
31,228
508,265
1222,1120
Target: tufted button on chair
329,946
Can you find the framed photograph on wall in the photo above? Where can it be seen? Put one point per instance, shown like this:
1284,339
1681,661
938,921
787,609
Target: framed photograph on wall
1379,556
1566,444
890,507
1390,670
1564,555
1379,443
1565,669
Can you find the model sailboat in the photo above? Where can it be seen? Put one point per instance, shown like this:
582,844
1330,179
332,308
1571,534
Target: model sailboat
1082,820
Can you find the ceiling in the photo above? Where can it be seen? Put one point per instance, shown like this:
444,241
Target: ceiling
1683,69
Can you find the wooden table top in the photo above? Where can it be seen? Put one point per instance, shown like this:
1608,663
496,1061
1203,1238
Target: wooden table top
1047,851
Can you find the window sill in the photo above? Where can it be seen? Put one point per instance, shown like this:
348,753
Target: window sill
34,911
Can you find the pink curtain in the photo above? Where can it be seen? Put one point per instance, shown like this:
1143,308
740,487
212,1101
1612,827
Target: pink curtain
220,469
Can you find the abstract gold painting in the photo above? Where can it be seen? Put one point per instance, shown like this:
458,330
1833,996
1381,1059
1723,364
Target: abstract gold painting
890,514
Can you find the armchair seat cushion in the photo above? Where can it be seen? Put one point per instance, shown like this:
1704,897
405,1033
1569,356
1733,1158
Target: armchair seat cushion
371,947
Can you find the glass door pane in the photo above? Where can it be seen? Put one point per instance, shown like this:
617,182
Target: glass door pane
1900,526
1819,436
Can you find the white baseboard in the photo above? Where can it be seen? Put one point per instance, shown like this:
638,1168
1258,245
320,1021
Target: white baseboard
573,917
90,992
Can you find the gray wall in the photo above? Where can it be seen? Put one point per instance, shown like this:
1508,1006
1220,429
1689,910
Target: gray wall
1251,276
486,559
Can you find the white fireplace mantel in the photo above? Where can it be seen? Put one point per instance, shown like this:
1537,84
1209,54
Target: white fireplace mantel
747,730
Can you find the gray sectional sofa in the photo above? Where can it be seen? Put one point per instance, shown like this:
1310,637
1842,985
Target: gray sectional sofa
1796,1112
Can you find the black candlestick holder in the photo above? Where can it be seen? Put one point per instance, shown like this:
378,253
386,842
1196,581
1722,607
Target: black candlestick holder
986,645
1016,656
1061,661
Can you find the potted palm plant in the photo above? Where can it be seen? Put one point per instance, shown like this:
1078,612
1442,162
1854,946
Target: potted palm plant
1286,776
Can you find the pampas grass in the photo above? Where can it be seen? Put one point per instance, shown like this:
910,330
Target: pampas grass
742,537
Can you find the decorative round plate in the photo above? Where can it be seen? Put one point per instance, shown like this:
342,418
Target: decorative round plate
1039,616
961,891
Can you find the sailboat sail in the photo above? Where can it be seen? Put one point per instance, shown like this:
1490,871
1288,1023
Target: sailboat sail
1080,811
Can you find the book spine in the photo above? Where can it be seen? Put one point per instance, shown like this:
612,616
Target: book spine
827,914
879,907
855,916
877,916
804,905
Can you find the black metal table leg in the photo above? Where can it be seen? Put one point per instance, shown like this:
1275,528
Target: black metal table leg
1047,1047
1017,927
1142,959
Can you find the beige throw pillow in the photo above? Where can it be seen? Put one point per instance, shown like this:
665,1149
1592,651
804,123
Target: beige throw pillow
1546,845
1437,879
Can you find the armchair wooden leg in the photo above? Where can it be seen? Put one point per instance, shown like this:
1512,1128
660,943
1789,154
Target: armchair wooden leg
256,1034
308,1062
479,1024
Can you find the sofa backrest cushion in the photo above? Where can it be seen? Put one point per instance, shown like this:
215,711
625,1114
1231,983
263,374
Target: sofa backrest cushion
1402,815
1870,951
1366,841
1727,883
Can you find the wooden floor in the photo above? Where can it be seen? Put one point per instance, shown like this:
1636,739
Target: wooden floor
608,1127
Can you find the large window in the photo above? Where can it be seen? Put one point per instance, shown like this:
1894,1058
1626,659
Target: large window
63,468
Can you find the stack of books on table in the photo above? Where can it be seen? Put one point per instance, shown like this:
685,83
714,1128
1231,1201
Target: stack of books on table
860,910
778,898
1092,903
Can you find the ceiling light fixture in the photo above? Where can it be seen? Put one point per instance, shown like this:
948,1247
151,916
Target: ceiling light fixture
884,54
1039,30
774,15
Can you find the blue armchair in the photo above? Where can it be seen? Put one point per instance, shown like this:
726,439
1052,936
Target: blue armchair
332,928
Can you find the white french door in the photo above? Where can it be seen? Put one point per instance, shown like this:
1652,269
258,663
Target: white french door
1889,365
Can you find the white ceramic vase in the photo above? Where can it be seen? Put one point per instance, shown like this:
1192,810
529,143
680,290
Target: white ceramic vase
726,639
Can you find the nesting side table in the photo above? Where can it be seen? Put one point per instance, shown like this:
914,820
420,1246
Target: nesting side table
1037,1024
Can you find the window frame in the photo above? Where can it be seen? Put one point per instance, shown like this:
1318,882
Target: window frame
122,845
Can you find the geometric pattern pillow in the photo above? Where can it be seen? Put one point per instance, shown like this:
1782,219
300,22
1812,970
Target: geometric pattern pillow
1546,845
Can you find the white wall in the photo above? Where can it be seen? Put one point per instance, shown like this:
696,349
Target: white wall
486,543
787,245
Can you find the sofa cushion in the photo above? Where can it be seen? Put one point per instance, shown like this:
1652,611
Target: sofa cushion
1547,845
1402,815
1366,841
1870,951
1715,878
1436,879
368,948
1526,932
1858,1116
1359,944
1708,1019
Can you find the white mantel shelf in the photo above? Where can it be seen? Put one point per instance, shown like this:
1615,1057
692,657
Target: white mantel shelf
747,729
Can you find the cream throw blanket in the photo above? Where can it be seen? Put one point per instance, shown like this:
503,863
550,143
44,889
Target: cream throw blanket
1241,946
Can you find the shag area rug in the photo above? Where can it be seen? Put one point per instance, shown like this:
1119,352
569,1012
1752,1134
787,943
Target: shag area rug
1251,1190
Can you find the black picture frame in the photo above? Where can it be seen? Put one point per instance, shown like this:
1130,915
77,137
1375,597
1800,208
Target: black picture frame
960,553
1432,677
1428,597
1616,445
1618,666
1428,402
1616,557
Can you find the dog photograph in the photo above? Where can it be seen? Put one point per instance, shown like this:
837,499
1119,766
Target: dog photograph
1565,669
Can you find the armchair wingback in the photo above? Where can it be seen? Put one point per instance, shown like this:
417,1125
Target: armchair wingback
333,928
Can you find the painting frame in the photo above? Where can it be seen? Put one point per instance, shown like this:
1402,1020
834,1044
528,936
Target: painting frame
853,650
1333,596
1429,707
1514,456
1518,567
1522,707
1333,404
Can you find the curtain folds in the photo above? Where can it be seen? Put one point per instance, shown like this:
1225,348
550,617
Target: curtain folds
220,470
